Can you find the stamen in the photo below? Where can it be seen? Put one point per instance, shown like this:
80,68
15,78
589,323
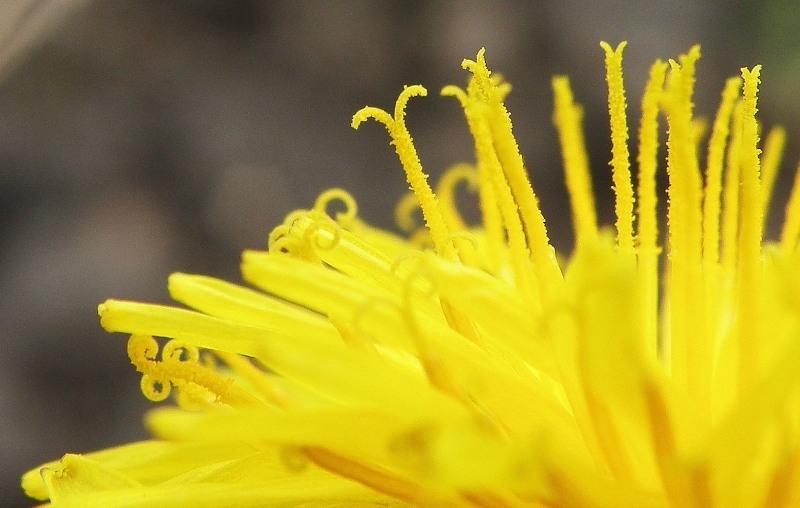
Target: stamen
404,212
647,213
712,204
568,117
371,476
322,234
399,261
314,236
492,170
288,238
500,132
690,351
360,336
491,214
612,443
783,485
421,239
435,370
701,487
345,218
791,223
730,209
713,271
446,189
179,367
621,173
460,237
492,222
404,145
750,237
259,379
486,500
699,130
662,435
770,164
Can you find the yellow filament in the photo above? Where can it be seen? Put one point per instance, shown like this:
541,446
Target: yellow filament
688,62
620,165
568,117
421,239
259,379
372,476
791,223
492,221
712,207
487,199
784,483
433,364
750,235
662,433
404,212
699,129
486,500
475,112
716,152
508,155
351,207
730,209
648,249
619,462
690,350
404,145
446,189
770,164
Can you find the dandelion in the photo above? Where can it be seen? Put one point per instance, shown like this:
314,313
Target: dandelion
463,366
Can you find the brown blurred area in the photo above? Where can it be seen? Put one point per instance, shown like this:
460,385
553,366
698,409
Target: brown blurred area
143,137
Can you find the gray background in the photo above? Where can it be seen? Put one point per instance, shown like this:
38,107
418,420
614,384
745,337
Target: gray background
143,137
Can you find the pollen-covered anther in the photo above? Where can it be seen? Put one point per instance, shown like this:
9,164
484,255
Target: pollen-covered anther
415,175
481,72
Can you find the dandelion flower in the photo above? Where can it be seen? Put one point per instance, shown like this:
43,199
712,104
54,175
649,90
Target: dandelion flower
463,365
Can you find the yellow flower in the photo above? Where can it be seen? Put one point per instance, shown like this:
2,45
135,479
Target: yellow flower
463,367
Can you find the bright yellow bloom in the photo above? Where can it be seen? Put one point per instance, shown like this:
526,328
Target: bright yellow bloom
463,367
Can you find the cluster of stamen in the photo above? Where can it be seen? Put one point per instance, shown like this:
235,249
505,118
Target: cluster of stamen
181,366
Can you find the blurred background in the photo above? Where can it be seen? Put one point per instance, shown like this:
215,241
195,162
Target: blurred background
143,137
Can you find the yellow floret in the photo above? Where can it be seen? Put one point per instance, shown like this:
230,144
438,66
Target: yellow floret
461,366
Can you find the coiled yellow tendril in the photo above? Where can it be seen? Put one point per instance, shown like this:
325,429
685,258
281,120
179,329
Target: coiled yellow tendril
305,232
344,219
180,367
